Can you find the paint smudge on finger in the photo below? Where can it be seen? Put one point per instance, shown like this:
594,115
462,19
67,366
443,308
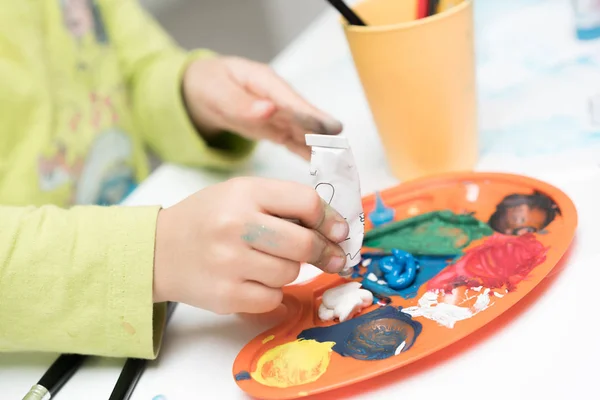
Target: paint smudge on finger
294,363
260,233
323,126
500,262
377,335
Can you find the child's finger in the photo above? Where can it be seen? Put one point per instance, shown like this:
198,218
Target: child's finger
264,82
300,149
254,298
284,239
271,271
232,104
296,201
302,122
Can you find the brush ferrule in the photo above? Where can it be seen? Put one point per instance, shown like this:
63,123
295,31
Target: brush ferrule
37,392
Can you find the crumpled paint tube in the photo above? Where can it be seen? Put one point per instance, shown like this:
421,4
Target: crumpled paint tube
335,178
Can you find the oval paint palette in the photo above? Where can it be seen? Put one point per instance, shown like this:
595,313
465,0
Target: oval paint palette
461,250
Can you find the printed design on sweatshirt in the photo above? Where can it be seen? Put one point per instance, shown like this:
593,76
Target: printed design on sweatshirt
82,17
100,172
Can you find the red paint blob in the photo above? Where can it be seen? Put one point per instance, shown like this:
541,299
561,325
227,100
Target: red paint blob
500,262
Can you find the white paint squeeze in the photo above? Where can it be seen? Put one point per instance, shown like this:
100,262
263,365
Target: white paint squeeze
448,314
344,301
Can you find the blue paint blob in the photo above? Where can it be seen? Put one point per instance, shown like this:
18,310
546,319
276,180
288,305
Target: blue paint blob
242,376
381,215
373,336
399,270
429,266
159,397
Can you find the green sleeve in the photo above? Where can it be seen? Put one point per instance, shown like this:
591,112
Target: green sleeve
154,66
79,281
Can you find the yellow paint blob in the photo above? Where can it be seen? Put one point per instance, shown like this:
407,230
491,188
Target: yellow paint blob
294,363
268,339
302,393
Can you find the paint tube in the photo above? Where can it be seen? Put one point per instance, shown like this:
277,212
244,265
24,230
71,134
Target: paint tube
335,178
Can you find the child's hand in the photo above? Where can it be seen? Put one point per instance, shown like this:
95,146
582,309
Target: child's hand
228,249
248,98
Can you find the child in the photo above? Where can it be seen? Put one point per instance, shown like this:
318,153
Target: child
86,85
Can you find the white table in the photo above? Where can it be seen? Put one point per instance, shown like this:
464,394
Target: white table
548,350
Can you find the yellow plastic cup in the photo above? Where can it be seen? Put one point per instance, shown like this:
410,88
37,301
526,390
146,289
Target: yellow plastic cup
418,76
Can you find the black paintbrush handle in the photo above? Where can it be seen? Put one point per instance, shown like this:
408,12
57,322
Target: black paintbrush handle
130,375
347,12
133,369
60,372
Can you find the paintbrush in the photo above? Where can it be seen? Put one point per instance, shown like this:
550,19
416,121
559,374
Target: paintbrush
133,369
55,377
347,12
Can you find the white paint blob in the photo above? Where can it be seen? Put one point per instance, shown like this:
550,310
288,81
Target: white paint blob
448,312
344,301
482,302
400,348
472,192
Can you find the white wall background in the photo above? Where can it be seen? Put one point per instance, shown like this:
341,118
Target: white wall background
257,29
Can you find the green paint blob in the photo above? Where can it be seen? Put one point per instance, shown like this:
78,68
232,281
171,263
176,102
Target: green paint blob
434,233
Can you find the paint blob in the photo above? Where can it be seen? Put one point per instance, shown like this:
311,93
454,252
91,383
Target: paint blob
292,364
399,269
242,376
344,301
520,213
500,262
381,215
268,339
434,233
429,266
444,309
377,335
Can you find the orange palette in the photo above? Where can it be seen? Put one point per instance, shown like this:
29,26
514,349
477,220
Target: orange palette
533,225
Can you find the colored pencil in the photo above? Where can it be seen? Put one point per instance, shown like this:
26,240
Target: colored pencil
61,370
133,369
432,7
347,12
422,6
